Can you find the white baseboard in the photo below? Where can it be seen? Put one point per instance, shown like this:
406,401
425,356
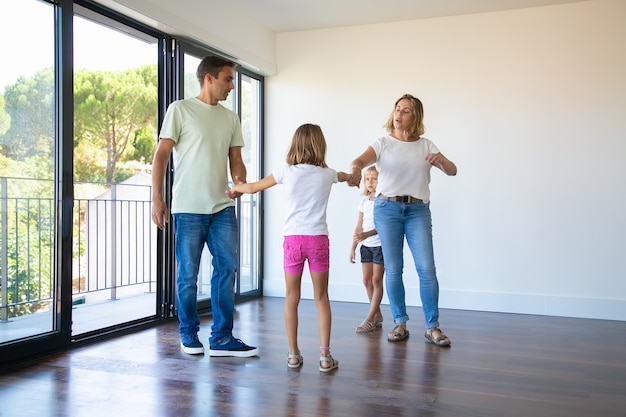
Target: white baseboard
538,304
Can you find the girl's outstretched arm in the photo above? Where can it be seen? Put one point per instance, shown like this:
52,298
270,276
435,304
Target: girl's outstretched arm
253,187
343,177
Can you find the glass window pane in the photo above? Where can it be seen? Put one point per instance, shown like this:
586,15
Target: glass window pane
27,153
250,120
191,85
115,119
249,203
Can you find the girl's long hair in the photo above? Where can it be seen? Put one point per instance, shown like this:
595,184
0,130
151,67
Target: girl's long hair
308,146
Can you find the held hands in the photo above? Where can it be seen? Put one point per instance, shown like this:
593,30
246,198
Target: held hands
233,193
355,177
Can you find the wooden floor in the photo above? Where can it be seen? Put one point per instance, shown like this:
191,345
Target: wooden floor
498,365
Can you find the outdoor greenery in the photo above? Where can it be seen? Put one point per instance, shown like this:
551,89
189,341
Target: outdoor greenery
114,138
115,122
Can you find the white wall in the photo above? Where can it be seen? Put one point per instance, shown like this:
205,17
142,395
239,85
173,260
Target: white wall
531,106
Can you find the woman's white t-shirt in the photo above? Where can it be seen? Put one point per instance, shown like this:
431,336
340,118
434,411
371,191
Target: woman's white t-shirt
402,167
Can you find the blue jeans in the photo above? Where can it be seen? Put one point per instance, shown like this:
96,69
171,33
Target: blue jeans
394,221
220,232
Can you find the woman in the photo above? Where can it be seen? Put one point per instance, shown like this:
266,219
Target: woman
401,208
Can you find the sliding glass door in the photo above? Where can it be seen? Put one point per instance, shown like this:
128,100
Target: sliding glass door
80,106
27,171
249,208
245,100
115,120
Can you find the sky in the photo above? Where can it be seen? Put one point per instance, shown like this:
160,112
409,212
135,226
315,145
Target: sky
26,27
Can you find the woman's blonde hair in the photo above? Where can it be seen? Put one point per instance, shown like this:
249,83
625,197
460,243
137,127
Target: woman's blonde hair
369,170
417,127
308,146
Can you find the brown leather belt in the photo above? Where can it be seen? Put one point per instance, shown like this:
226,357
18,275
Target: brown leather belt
401,198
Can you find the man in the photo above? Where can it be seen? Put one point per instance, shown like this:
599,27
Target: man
206,140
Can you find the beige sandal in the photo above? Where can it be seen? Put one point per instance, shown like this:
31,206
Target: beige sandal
333,363
366,326
296,356
398,334
436,336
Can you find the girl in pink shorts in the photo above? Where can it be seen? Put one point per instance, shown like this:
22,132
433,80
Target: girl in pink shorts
308,181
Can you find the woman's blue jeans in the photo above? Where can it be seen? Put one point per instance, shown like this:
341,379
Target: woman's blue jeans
220,232
394,221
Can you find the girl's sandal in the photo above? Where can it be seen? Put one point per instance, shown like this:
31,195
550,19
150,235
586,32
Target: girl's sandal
298,357
436,336
366,326
398,334
332,363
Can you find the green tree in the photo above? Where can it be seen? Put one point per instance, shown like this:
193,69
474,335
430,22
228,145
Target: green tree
5,119
30,104
115,122
111,107
144,145
29,250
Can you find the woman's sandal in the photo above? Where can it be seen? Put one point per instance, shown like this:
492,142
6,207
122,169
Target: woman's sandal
296,356
332,362
436,336
398,334
378,321
366,326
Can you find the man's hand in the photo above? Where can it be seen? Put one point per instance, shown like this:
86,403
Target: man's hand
160,213
232,194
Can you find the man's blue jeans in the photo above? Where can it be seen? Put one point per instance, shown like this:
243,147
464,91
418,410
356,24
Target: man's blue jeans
220,232
394,221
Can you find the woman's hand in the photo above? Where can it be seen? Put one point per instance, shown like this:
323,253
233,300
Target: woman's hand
441,162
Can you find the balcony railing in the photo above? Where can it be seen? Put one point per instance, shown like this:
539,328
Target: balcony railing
113,244
112,247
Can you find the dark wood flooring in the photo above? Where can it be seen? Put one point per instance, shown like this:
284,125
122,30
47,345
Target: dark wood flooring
498,365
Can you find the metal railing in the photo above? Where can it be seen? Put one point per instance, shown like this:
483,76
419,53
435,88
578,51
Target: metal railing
112,245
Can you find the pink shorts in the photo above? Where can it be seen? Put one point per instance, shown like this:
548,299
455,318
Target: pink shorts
297,248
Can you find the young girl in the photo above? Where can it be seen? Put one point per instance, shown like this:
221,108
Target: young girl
371,253
308,181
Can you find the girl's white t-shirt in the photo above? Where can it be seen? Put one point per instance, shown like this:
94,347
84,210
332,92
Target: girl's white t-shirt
307,189
366,206
402,167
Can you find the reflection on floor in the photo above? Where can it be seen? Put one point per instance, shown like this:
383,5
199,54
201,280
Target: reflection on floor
499,365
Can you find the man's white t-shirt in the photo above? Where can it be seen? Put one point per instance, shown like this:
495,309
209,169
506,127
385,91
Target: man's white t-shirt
307,189
203,135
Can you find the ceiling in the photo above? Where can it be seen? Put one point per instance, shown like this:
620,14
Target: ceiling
292,15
